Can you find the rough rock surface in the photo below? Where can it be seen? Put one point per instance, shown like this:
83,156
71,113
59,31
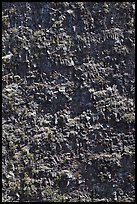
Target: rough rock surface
68,121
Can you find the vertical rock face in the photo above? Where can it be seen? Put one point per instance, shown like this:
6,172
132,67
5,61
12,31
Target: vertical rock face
68,119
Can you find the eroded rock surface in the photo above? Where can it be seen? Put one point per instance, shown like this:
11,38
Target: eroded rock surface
68,120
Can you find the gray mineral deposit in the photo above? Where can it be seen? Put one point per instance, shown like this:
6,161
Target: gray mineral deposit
68,101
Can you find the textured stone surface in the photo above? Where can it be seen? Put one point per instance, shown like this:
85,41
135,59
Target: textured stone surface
68,120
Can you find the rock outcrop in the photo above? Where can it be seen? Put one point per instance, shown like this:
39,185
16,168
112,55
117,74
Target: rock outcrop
68,100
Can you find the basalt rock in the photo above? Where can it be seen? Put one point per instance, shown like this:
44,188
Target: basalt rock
68,101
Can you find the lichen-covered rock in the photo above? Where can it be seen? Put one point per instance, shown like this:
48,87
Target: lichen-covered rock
68,101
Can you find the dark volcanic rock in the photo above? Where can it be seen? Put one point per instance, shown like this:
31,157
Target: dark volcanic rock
68,108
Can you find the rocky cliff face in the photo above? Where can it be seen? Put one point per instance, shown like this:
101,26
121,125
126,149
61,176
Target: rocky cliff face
68,121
